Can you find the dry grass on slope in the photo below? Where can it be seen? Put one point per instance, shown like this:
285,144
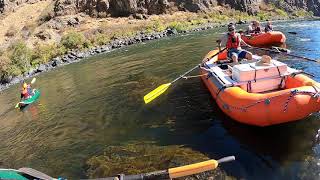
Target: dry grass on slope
24,17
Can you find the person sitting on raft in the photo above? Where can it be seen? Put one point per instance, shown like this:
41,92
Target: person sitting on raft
256,27
233,43
249,29
268,27
26,91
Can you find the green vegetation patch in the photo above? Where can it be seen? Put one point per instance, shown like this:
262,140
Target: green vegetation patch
142,158
73,40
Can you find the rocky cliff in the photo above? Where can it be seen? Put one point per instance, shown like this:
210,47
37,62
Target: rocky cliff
100,8
103,8
10,5
291,5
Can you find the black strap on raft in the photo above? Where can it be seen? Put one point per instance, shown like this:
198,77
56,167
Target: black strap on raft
223,88
249,87
282,78
255,72
278,70
220,89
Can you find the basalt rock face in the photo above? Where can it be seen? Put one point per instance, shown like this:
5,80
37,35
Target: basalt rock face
103,8
111,7
292,5
11,5
128,7
250,6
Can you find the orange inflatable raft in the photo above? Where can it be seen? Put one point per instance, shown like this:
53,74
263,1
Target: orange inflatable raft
260,94
263,39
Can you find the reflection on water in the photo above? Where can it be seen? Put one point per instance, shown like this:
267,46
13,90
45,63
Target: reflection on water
87,107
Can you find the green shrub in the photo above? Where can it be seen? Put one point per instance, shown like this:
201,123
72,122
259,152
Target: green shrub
43,53
159,26
281,12
73,40
20,55
198,21
87,44
263,16
303,13
179,26
155,26
60,50
101,39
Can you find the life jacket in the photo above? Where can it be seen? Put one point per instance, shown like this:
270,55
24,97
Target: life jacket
235,43
25,93
257,30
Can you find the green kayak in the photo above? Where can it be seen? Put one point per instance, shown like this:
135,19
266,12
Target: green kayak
29,100
11,174
23,174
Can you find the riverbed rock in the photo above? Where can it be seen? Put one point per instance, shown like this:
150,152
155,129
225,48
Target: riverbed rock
74,21
43,35
31,71
42,68
171,31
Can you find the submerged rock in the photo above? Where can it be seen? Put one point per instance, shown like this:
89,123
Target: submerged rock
310,169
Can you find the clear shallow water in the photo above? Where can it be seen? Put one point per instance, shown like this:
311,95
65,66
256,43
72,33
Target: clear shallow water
88,106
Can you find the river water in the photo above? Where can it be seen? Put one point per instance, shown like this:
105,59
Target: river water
88,106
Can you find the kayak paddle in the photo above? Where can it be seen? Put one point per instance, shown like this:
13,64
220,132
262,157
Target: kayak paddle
32,82
161,89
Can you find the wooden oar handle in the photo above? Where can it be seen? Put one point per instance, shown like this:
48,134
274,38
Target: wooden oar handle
192,169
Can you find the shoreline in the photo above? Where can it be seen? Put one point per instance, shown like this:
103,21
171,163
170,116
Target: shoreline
141,37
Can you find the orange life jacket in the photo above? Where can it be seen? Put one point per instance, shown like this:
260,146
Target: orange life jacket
233,41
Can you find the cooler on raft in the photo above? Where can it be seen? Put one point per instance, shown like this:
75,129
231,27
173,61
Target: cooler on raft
256,78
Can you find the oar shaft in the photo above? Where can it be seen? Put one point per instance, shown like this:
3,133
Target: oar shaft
181,76
302,57
292,55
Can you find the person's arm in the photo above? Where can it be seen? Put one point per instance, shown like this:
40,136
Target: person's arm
242,42
219,44
222,41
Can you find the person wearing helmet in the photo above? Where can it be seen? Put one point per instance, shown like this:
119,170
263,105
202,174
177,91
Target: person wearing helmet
26,91
233,43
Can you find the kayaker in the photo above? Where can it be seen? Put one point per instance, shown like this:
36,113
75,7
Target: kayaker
268,27
233,43
26,91
256,27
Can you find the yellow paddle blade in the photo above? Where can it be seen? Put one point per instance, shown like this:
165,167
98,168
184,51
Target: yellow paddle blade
33,81
17,105
155,93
